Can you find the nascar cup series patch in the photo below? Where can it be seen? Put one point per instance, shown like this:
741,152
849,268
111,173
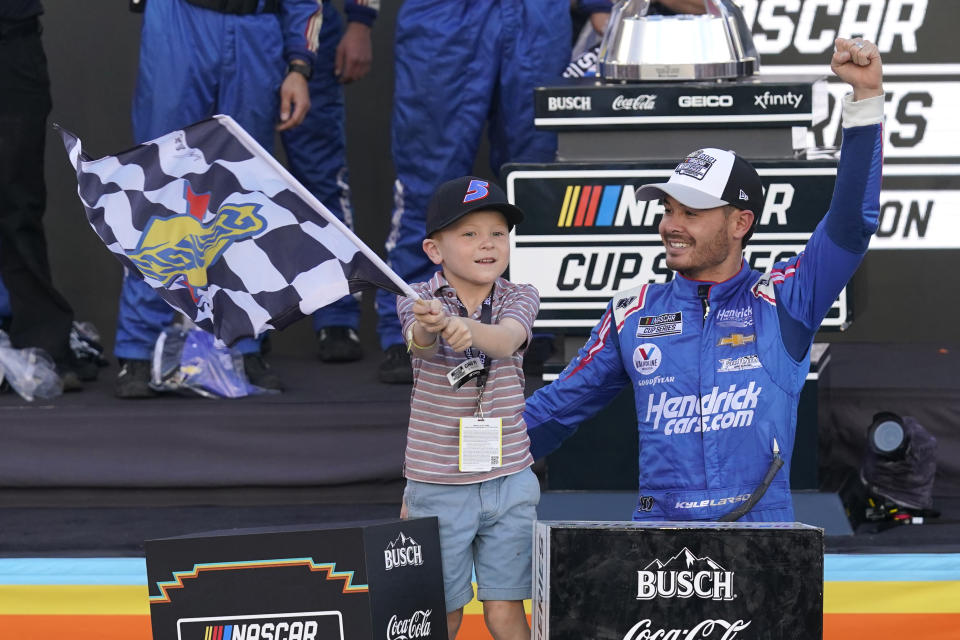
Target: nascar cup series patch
665,324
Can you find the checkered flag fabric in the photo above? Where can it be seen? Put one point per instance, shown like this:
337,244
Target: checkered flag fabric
221,231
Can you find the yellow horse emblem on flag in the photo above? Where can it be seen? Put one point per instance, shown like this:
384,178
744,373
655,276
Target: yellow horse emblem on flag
182,246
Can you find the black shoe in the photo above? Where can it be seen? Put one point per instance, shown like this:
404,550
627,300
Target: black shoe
395,368
338,344
87,370
133,381
259,372
70,381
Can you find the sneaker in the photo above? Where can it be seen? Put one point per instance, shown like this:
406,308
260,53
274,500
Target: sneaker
259,372
395,368
338,344
133,381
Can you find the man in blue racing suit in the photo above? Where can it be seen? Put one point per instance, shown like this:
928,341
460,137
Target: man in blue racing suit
717,357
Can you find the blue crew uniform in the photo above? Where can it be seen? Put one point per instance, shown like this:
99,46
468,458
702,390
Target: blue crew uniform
194,63
461,66
316,149
717,367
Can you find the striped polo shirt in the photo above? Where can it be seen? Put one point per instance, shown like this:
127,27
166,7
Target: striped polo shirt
436,407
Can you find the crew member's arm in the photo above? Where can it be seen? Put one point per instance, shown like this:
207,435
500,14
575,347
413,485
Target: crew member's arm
355,51
806,286
583,388
301,21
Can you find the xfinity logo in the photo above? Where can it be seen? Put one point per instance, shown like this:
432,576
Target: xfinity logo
688,102
683,576
568,103
402,552
767,99
411,628
644,102
718,409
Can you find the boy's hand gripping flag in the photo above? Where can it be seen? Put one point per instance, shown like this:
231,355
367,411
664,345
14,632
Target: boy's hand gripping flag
222,231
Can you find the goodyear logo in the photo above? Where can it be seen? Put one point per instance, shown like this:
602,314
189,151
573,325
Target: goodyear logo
612,205
182,246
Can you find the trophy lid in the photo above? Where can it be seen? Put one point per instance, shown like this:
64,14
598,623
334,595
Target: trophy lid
715,45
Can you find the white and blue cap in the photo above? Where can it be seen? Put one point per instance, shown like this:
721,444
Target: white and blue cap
709,178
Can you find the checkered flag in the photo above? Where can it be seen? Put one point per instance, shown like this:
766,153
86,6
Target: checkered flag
222,231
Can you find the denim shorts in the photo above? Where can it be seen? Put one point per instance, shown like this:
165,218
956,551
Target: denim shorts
486,525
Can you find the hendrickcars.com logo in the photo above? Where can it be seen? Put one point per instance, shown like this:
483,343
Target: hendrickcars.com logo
309,625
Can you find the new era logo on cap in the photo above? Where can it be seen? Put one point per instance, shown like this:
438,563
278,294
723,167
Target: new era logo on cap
709,178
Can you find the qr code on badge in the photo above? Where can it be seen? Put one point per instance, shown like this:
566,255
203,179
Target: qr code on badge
495,461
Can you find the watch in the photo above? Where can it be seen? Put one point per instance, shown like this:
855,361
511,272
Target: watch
302,68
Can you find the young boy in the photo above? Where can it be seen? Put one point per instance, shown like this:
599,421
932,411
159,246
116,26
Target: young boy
467,459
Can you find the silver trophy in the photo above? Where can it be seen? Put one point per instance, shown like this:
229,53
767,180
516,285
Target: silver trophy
641,47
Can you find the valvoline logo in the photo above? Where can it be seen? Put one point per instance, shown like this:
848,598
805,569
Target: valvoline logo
647,358
172,247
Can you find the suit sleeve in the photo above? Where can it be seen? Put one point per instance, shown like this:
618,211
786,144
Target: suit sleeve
363,11
806,285
593,378
301,21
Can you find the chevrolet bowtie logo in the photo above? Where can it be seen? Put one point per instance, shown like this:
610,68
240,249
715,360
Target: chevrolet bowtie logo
736,340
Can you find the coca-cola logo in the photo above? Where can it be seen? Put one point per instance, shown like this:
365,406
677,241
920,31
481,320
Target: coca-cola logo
644,102
416,626
714,629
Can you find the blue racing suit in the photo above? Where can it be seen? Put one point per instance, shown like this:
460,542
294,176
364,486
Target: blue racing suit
195,63
460,66
717,367
316,149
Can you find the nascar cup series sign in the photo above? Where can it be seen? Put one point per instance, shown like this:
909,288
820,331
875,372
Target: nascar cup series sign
685,581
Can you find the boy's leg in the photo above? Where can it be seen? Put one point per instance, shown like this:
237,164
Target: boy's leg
506,619
454,618
457,509
503,551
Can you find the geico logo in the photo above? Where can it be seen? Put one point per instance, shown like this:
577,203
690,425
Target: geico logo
402,557
713,585
597,272
705,101
811,26
719,410
273,631
568,103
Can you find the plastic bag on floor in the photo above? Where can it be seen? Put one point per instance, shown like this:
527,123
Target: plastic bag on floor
30,372
187,360
85,343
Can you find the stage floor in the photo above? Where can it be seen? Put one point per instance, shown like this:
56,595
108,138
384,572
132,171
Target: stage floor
89,475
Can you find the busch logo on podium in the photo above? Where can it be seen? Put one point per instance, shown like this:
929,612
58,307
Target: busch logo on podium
677,581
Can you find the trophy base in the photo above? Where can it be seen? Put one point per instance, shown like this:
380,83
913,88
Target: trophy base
632,72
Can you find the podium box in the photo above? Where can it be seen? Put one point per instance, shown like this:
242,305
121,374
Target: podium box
635,580
369,580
